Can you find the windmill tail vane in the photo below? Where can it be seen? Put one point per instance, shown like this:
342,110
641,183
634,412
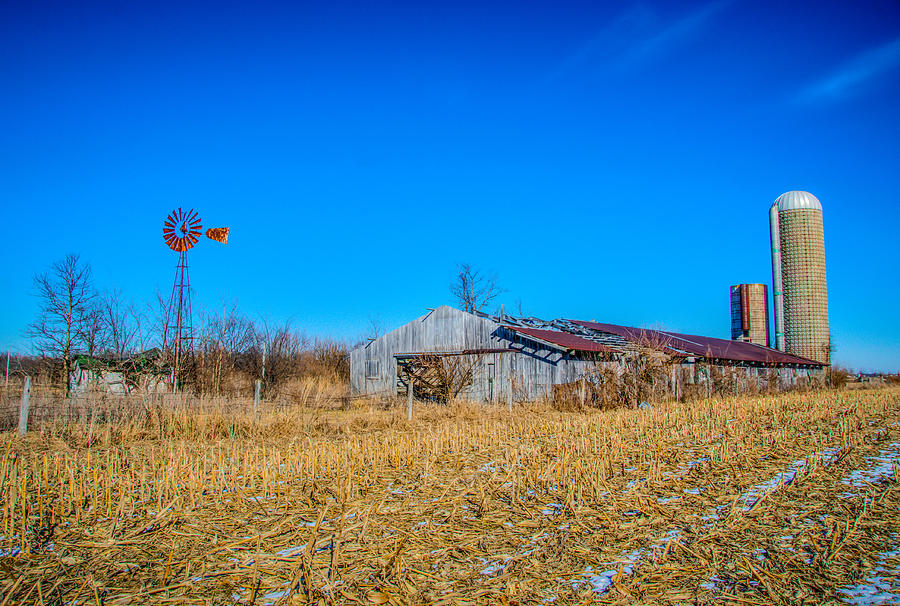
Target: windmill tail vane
219,234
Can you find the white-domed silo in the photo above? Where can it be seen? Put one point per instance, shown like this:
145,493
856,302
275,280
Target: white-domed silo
798,270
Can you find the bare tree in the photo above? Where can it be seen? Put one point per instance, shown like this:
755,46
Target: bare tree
156,317
92,329
472,289
119,322
222,338
65,294
375,328
138,318
280,349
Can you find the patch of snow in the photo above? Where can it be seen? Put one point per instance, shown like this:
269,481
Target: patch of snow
785,478
492,569
697,462
882,587
552,509
600,583
634,483
290,551
712,584
275,595
878,468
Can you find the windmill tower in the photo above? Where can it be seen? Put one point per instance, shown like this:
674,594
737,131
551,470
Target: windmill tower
181,231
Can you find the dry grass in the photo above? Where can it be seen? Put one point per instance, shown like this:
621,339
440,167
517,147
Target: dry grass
200,503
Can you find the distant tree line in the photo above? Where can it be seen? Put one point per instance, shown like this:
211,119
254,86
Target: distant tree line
228,351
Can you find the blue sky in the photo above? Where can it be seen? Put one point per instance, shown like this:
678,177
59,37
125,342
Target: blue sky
607,161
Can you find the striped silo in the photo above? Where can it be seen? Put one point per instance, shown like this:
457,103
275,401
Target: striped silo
750,313
798,270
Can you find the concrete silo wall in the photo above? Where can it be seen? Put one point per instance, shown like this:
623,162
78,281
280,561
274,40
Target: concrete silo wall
805,293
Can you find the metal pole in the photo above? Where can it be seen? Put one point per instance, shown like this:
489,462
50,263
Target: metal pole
23,406
257,386
409,400
7,371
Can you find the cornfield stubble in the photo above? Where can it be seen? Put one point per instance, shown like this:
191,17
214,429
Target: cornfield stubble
786,499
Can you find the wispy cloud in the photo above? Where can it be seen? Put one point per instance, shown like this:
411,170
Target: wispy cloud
851,77
635,37
672,34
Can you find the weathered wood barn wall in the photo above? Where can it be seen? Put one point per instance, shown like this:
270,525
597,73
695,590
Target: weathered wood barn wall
511,365
523,375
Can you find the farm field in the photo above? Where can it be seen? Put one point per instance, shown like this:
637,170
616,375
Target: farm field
785,499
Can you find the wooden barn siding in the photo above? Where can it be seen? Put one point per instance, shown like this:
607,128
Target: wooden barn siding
521,376
444,329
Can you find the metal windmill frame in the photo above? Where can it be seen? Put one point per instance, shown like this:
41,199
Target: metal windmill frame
181,231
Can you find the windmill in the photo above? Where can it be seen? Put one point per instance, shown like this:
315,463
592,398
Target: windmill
181,231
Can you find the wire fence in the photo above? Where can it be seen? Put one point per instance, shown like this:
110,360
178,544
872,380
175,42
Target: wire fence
50,404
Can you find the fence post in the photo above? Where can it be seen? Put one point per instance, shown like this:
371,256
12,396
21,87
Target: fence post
257,386
509,396
23,406
409,400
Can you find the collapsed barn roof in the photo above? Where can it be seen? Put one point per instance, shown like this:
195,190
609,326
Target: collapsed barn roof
695,345
598,337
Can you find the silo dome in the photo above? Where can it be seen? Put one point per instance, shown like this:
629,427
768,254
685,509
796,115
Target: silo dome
796,200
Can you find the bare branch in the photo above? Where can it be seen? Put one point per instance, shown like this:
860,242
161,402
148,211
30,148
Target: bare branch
473,290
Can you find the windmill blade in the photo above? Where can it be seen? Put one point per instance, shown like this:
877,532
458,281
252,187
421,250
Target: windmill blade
219,234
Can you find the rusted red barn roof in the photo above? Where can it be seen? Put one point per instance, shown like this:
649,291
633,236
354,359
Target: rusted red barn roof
561,339
695,345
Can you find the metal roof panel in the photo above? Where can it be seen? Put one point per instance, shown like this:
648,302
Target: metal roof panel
561,339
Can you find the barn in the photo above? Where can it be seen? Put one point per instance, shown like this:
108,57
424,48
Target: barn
452,353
